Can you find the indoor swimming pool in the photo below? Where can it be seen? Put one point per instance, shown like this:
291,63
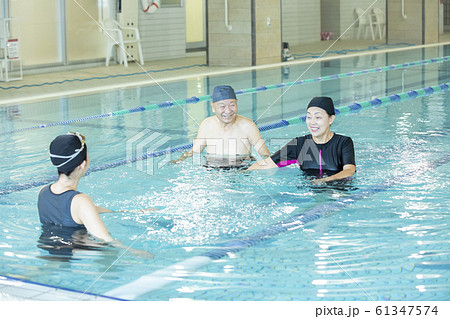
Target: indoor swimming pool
233,234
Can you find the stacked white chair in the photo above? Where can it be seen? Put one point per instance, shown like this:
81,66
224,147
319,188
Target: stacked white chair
364,24
114,34
379,22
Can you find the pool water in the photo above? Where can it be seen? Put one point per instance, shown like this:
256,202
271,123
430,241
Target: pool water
392,244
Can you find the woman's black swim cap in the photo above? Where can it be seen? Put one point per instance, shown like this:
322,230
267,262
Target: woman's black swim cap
323,102
67,152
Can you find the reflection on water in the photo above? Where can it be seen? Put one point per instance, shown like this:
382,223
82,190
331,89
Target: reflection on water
62,243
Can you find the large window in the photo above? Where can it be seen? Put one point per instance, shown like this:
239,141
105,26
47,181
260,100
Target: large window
40,30
195,24
85,41
59,32
446,14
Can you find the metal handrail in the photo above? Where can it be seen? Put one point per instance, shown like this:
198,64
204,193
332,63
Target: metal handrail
227,24
403,10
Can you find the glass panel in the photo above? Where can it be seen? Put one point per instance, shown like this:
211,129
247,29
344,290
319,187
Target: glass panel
42,47
447,12
194,21
84,38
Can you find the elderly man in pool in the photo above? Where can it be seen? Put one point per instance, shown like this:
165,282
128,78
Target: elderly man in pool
324,154
227,136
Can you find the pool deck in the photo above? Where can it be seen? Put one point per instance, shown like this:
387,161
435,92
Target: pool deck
17,290
51,83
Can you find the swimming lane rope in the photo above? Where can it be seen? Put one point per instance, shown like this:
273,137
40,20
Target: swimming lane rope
413,94
176,272
194,99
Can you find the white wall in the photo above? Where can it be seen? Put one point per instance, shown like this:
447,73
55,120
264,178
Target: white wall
331,17
338,16
347,15
300,21
303,20
163,33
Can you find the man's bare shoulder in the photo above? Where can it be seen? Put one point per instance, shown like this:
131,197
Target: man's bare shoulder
245,123
207,126
209,121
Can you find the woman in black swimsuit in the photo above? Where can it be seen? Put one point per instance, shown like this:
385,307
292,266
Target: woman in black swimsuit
327,155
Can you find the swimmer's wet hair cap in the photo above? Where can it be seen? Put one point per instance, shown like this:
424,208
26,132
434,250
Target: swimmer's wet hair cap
223,92
323,102
68,151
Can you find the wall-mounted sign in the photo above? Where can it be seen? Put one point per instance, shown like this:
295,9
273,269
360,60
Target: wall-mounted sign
12,48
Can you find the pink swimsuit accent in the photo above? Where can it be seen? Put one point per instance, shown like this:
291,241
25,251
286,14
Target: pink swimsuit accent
287,163
320,162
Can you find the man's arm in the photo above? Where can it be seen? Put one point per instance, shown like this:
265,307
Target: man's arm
287,155
256,140
266,163
102,210
198,147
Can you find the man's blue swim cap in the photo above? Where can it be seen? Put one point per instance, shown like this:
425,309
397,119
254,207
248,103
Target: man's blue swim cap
223,92
323,102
